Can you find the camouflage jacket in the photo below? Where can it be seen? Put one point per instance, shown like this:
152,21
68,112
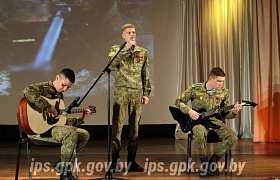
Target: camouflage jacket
34,93
200,99
132,68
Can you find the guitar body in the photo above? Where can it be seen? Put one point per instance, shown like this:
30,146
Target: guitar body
34,120
185,121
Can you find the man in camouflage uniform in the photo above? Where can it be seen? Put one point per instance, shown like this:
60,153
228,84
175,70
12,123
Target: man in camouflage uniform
208,96
73,139
132,88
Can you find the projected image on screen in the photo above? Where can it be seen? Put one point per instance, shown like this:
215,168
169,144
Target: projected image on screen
39,38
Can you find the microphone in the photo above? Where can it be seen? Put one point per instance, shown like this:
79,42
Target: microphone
73,104
133,46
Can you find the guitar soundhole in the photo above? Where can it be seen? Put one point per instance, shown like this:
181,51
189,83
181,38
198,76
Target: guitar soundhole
52,120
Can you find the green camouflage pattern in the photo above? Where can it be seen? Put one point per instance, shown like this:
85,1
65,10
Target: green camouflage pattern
132,68
132,81
73,139
126,101
226,134
200,99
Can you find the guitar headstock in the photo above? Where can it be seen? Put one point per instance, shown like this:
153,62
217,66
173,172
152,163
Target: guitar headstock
92,109
248,103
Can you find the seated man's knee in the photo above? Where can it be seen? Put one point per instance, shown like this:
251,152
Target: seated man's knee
64,133
199,131
86,135
72,134
233,138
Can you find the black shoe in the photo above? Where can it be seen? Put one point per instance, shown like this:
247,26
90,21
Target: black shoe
203,172
113,166
67,176
65,172
213,165
213,169
57,166
115,163
134,167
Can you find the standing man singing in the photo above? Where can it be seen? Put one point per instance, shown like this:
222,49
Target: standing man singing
132,88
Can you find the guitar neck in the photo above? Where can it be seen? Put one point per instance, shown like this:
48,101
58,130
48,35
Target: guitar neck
72,111
215,111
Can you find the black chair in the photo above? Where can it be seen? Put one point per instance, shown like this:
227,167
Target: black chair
24,139
212,137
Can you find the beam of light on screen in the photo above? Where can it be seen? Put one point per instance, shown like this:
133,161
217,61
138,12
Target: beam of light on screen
46,50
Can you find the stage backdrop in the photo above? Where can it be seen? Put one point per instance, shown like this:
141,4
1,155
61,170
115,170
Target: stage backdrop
220,33
242,37
267,76
39,38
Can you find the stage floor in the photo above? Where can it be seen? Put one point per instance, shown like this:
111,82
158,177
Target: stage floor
162,158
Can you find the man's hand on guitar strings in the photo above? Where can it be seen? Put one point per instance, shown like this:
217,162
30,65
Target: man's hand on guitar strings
194,115
52,112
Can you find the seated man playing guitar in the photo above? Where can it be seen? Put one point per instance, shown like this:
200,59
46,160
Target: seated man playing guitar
73,139
207,96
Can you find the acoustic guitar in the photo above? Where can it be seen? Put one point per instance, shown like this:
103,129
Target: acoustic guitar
34,120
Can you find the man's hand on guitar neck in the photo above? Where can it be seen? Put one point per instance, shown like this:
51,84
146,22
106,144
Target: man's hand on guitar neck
237,107
86,113
194,115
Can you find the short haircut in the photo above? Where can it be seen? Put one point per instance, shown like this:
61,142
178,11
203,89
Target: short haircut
216,71
69,74
124,27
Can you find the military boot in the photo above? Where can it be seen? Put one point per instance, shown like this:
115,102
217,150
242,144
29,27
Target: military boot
57,166
66,173
213,165
203,172
131,163
115,163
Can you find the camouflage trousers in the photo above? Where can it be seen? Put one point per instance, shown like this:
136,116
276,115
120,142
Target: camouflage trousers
126,101
226,134
73,140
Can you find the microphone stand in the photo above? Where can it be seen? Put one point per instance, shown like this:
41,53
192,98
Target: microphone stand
108,174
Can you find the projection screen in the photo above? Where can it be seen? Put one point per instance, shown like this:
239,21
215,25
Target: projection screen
39,38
